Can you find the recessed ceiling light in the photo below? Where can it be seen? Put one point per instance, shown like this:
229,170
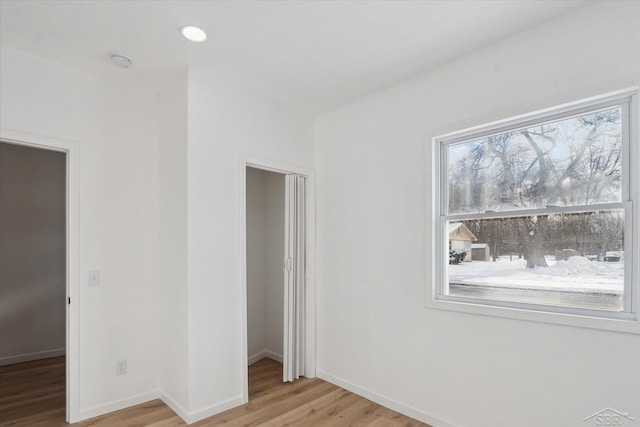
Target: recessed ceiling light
193,34
121,61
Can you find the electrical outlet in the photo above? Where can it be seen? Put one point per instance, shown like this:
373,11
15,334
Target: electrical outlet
121,367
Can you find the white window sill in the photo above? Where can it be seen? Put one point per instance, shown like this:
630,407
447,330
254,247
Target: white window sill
628,325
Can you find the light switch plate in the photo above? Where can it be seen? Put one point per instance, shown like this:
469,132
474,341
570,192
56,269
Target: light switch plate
94,278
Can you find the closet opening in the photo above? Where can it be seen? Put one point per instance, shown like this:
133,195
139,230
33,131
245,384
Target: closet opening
265,222
276,243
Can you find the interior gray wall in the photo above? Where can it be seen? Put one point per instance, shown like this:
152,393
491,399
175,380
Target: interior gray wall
265,252
32,253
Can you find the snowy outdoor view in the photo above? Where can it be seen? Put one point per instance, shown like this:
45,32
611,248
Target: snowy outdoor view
541,214
576,282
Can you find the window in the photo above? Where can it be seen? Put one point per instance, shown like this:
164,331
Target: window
535,213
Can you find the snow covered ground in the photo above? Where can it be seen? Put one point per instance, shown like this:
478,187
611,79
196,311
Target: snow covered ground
577,274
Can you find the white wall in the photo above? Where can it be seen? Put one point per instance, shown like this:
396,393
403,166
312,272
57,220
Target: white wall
256,264
32,253
159,183
115,125
172,246
265,252
226,121
274,252
375,335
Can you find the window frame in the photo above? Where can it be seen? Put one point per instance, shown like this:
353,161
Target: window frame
626,320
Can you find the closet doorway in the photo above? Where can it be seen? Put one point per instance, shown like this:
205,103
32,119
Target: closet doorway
265,273
279,307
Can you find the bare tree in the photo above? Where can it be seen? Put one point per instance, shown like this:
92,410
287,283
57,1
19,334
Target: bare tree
576,161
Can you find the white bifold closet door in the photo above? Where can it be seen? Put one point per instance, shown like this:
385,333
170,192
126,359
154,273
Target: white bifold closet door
294,279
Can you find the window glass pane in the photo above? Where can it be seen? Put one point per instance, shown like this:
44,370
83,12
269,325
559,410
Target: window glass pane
570,259
570,162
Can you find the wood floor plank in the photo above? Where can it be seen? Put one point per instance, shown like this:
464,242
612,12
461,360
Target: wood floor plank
314,412
359,413
33,394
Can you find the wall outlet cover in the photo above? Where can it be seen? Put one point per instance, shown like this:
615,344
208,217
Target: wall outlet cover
121,367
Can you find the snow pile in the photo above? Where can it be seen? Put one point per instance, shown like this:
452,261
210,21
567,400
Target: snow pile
577,274
581,266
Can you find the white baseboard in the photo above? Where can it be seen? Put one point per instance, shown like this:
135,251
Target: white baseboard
9,360
385,401
192,417
264,354
175,407
116,405
187,417
214,409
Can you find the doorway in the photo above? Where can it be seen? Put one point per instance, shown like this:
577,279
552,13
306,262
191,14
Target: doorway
277,244
265,275
69,149
33,280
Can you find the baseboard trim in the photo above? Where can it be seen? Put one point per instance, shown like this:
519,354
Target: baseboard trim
192,417
264,354
187,417
10,360
116,405
175,407
385,401
214,409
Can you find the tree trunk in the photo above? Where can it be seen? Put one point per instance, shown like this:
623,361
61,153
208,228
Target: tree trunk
536,257
535,244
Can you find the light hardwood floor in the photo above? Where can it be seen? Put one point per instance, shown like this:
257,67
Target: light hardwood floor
33,394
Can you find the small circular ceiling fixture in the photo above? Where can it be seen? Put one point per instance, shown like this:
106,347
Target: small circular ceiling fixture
121,61
193,33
